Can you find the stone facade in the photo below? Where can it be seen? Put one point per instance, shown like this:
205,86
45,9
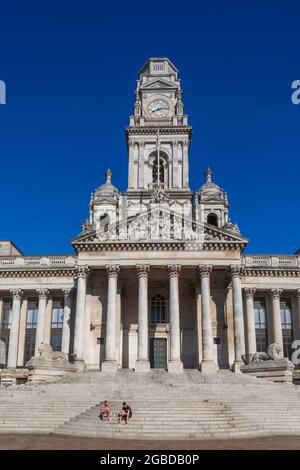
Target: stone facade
158,278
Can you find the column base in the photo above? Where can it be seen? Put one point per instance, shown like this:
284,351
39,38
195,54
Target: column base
109,366
208,367
142,365
80,364
175,367
236,367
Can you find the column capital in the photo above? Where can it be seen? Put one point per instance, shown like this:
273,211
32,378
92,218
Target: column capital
17,293
276,293
82,272
249,292
142,144
43,293
236,270
205,270
143,270
174,270
112,270
67,292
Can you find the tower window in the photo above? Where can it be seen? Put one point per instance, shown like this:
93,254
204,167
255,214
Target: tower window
158,67
212,219
104,222
158,176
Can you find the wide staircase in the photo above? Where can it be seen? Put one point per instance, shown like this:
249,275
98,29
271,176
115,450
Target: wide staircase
165,406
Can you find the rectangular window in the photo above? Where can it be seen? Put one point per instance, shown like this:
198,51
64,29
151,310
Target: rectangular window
29,345
6,314
57,313
31,324
57,321
287,327
32,313
260,318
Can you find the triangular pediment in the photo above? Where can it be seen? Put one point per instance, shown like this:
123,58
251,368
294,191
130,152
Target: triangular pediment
158,84
160,225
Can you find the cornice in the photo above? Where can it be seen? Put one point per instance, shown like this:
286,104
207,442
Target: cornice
37,273
281,272
158,246
145,130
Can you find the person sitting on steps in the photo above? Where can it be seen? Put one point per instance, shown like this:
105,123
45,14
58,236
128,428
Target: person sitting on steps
105,411
125,414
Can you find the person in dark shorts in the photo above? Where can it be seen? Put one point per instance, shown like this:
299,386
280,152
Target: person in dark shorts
125,414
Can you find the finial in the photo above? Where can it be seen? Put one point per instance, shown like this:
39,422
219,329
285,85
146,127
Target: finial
108,175
208,174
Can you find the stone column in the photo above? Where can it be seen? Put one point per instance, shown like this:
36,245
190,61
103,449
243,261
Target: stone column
297,335
81,276
185,164
250,323
238,319
142,363
175,363
276,317
1,313
14,329
65,341
175,165
110,364
208,365
141,164
131,145
40,329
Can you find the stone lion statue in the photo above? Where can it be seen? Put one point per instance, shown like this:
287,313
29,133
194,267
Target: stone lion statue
47,353
274,352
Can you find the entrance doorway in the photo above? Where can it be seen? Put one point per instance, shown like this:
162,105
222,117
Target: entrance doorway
158,353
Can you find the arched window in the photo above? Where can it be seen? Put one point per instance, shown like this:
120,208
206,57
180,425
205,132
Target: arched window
212,219
104,222
161,176
158,309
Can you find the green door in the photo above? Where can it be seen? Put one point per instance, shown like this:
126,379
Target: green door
158,353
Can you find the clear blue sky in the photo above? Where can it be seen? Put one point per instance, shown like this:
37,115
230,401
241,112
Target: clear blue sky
71,67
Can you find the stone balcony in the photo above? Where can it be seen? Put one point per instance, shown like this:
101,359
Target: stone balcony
271,261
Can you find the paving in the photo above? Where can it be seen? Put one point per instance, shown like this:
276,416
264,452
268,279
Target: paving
53,442
187,406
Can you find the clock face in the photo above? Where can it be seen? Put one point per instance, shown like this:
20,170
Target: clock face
158,108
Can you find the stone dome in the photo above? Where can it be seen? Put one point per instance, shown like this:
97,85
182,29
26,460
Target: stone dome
210,189
106,190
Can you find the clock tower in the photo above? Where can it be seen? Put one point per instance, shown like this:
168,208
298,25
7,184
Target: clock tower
158,137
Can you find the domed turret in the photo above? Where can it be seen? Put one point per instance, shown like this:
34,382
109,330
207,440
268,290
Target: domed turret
211,203
210,190
107,190
104,203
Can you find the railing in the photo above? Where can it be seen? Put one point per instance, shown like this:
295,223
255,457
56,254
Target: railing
37,261
271,261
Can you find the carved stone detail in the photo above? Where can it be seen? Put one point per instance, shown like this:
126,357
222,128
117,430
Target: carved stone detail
43,293
112,270
174,270
236,271
275,293
82,271
205,270
249,292
143,270
17,293
274,353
